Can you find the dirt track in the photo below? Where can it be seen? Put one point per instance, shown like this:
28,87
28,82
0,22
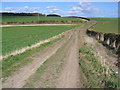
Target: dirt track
69,77
33,25
63,70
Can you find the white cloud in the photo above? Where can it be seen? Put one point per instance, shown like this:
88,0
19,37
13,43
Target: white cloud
51,7
88,9
26,7
21,9
72,12
85,9
9,9
76,8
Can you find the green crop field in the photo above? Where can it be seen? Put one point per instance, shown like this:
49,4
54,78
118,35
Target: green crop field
36,18
105,19
108,27
16,37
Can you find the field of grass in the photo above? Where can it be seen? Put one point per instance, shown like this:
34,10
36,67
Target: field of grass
108,27
16,37
14,63
95,72
105,19
35,18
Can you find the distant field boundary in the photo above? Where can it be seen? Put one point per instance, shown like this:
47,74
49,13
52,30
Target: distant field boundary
42,22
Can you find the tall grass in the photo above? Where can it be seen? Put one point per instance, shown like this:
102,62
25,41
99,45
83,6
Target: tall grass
95,72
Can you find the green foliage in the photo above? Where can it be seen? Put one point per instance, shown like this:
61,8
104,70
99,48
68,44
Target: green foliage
17,37
111,84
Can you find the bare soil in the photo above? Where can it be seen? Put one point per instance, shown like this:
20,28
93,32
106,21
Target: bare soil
69,77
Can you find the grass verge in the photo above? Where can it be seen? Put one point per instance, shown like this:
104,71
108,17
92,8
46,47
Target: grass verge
13,63
95,72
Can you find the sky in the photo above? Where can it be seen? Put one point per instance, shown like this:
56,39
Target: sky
85,9
60,0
